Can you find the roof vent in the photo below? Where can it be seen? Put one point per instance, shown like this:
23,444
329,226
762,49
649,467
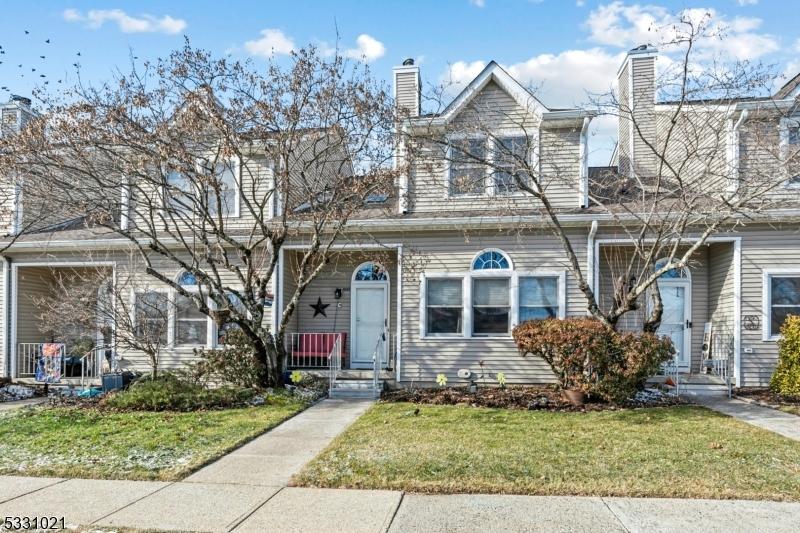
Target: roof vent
408,62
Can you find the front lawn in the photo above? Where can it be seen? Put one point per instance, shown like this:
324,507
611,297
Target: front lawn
683,451
95,443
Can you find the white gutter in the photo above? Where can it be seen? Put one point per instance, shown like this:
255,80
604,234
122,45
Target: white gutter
583,184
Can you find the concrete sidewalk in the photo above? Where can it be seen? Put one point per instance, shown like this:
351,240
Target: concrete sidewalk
785,424
245,508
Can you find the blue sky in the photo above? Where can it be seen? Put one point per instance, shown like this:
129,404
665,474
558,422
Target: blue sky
562,46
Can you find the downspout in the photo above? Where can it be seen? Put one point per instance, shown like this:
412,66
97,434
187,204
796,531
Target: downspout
590,256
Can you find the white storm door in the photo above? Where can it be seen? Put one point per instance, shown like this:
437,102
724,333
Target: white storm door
368,324
676,319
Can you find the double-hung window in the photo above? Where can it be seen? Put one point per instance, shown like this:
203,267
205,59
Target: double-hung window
179,193
490,298
491,306
467,166
444,306
151,317
234,303
510,159
783,298
223,194
191,325
538,297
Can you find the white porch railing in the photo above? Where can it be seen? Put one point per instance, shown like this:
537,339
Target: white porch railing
87,367
721,358
28,356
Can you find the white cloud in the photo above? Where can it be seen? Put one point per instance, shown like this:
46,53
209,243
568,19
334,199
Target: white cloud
96,18
559,80
627,25
478,3
748,2
580,3
271,42
367,48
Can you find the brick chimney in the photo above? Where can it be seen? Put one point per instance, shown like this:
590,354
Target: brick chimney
407,88
637,121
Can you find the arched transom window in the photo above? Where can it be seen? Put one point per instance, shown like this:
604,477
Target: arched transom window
491,260
370,272
674,273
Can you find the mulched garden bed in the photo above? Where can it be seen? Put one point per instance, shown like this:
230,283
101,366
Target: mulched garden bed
532,398
766,397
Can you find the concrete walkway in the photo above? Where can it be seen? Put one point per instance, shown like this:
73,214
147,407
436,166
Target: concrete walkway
785,424
10,406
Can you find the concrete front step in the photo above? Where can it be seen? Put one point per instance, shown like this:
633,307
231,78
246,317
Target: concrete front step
355,388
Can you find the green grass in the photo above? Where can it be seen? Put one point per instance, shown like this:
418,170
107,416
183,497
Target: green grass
681,451
92,443
791,409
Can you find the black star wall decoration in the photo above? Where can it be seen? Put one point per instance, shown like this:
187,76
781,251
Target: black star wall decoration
319,308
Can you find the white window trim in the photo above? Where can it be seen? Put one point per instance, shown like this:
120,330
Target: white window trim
214,329
766,298
489,184
170,311
466,295
236,164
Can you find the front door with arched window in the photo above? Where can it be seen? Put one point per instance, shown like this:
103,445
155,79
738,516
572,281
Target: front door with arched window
675,286
369,315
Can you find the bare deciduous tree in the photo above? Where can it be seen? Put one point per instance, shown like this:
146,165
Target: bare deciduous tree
691,180
209,166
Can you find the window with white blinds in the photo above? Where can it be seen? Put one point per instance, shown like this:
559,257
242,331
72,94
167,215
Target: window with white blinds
444,306
491,306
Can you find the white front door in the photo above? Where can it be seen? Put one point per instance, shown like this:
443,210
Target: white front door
677,318
369,324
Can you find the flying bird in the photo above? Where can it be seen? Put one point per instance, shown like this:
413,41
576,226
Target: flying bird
42,57
79,53
26,32
48,41
42,76
75,65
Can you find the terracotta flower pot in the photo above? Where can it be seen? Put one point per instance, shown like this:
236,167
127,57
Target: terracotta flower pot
575,397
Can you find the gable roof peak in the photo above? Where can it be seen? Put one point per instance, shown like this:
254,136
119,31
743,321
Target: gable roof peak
493,72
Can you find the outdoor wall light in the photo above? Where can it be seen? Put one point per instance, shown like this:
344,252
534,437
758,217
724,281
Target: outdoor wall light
337,293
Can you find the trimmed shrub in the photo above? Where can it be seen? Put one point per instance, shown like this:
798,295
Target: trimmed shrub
617,374
568,346
786,379
234,364
168,393
586,355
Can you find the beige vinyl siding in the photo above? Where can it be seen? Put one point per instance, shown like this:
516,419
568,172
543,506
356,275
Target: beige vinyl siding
338,274
612,259
694,148
407,91
256,175
424,358
32,283
493,109
721,271
763,248
643,103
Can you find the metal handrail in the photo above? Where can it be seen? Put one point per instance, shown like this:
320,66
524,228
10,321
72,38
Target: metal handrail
334,362
376,360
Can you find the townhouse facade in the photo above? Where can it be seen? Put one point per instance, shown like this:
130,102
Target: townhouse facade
459,255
